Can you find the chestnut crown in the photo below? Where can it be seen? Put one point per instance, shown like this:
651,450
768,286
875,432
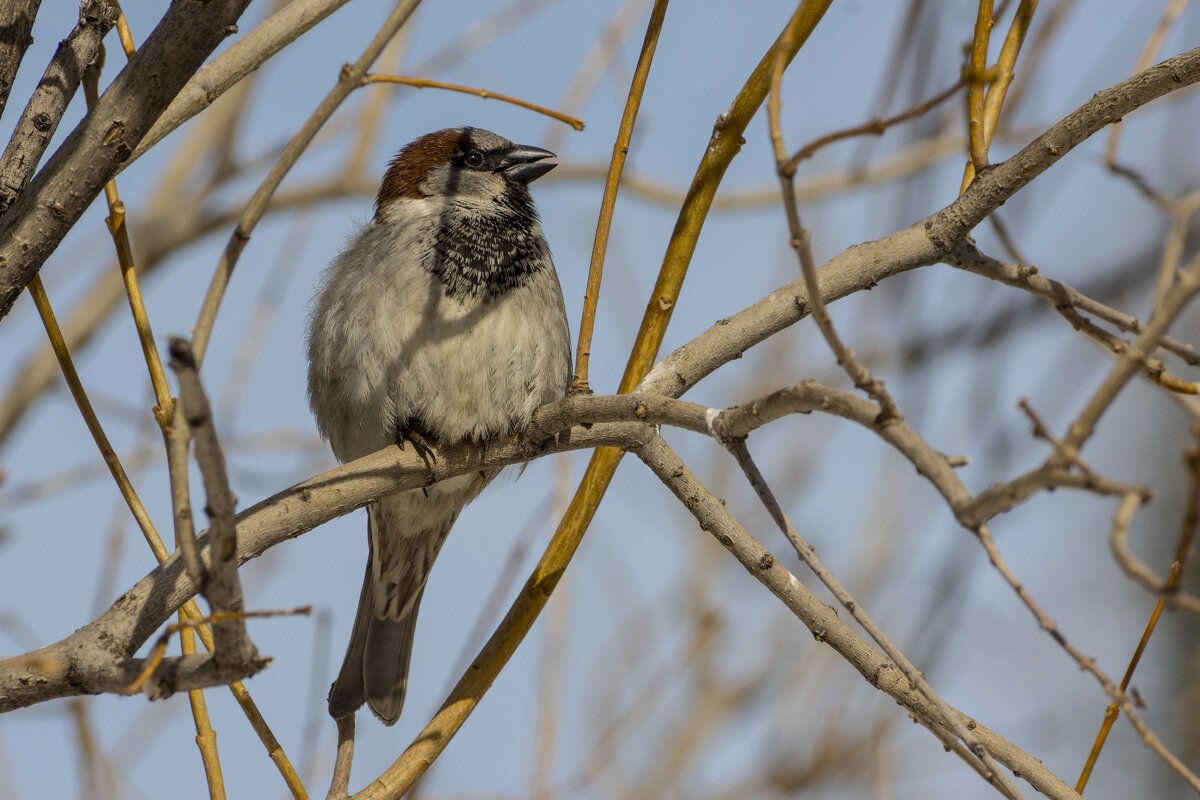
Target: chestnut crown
471,165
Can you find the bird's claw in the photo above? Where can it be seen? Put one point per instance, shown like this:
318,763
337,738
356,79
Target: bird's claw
424,447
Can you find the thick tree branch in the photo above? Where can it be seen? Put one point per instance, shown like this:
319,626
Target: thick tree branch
88,655
578,422
44,213
926,242
16,23
45,108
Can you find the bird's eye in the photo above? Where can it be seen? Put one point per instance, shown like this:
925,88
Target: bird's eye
473,159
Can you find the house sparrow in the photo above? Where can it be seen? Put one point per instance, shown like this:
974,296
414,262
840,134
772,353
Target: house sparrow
441,321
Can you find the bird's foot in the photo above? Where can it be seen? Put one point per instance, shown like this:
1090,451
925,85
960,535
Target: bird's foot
424,446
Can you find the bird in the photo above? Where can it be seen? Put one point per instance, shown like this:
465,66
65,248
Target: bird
441,321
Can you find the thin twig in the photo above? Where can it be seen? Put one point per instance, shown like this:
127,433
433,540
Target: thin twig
339,785
612,183
1170,590
991,771
117,228
1171,13
802,243
1135,568
1029,278
985,112
1085,662
975,91
221,588
1003,71
1129,363
350,79
115,468
876,126
179,438
429,83
206,737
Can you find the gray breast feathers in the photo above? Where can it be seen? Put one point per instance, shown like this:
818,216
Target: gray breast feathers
389,343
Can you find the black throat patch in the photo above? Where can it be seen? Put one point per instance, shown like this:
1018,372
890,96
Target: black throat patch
487,253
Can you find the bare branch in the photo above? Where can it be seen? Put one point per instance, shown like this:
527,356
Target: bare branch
39,219
923,243
823,622
350,79
242,58
16,22
986,767
45,108
221,586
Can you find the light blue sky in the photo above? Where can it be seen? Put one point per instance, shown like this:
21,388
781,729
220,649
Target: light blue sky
1076,222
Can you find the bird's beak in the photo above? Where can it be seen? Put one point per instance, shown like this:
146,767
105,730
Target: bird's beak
525,164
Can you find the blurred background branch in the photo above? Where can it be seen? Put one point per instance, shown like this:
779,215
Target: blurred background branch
667,674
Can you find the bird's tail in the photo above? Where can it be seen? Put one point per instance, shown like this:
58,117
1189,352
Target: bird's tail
406,532
375,668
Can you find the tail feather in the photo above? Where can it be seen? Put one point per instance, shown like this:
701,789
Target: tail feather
386,656
347,693
405,532
375,668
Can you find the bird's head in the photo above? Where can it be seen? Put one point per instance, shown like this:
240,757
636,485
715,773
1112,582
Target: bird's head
470,165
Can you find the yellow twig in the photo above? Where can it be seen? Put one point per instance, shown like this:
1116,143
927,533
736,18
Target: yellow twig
428,83
725,144
206,737
123,32
591,295
975,91
1004,69
1174,579
38,292
120,236
986,115
189,623
129,494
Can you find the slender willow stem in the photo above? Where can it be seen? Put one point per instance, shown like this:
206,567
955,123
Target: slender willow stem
612,183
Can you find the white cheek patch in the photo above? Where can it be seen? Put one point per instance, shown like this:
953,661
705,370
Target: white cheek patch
465,186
